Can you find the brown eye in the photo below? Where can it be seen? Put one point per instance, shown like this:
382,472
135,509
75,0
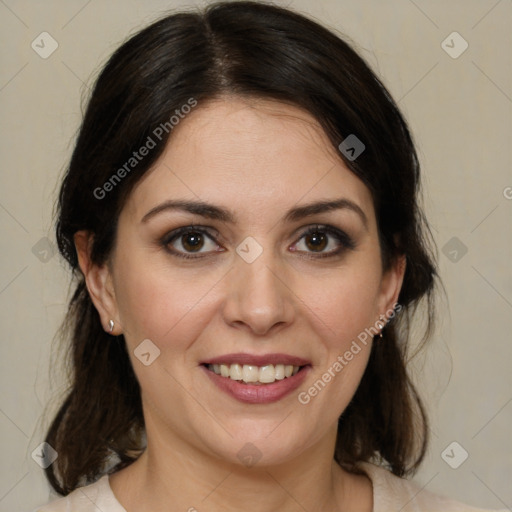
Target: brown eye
189,241
192,241
316,241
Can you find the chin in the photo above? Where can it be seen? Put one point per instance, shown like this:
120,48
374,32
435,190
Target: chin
259,449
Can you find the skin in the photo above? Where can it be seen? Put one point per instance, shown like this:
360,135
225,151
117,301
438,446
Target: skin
258,159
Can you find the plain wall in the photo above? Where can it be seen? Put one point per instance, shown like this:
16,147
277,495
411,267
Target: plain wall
459,110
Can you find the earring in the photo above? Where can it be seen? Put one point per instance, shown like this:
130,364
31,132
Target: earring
382,324
111,325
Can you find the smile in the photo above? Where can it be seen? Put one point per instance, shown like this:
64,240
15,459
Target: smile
255,374
256,379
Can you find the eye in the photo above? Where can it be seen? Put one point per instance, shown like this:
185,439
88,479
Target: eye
318,238
189,240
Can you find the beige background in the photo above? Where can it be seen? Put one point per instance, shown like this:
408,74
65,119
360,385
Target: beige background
460,113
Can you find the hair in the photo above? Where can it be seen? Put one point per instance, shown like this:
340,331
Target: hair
248,50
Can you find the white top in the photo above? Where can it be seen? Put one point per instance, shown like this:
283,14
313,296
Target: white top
390,494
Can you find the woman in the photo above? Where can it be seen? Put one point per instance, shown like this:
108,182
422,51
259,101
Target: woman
241,215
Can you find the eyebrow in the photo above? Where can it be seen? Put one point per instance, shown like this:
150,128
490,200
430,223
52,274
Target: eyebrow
214,212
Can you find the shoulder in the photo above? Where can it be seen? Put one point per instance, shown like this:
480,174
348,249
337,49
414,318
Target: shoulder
393,493
90,498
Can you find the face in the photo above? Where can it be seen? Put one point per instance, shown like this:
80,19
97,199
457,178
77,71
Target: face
250,282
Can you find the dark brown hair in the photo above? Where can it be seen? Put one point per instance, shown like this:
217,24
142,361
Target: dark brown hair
247,49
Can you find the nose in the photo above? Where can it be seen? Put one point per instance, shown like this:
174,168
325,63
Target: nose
259,298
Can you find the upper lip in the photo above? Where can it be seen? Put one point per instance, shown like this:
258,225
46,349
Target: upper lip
257,360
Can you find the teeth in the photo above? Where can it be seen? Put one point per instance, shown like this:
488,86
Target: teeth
255,374
235,372
267,374
279,368
250,373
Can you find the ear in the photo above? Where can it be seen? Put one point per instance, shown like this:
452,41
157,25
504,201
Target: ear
391,284
99,282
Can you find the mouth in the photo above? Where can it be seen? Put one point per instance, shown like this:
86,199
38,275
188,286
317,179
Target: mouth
257,379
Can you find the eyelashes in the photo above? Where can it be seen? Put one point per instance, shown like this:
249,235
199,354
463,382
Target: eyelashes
197,237
188,231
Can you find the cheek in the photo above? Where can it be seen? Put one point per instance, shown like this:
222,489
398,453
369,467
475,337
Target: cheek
343,310
345,305
158,302
165,303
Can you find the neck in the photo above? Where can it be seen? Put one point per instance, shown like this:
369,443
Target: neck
171,475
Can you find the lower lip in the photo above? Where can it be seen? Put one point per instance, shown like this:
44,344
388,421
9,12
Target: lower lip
258,394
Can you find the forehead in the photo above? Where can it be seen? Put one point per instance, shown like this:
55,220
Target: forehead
248,154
